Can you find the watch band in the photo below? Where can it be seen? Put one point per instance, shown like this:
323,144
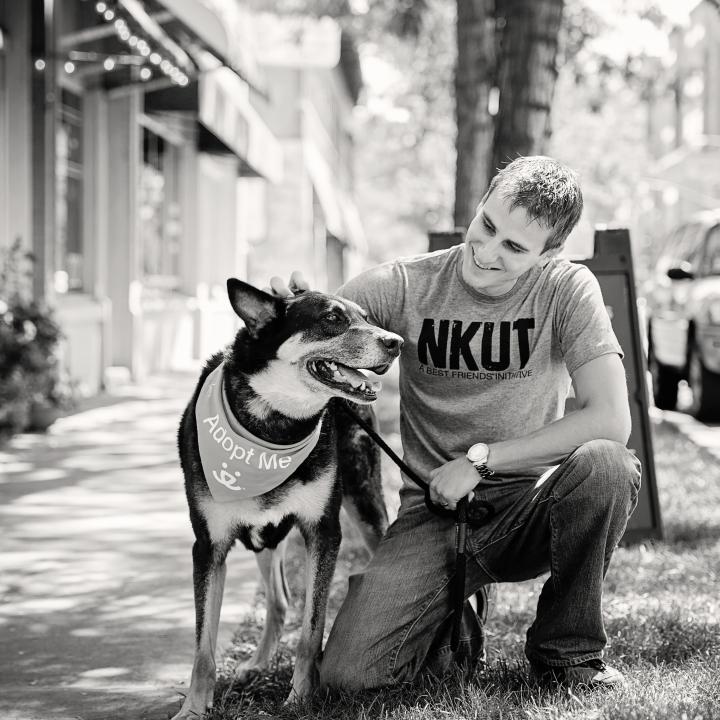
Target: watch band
478,456
484,471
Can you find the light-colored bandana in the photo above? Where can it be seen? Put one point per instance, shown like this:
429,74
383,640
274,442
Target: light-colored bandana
237,464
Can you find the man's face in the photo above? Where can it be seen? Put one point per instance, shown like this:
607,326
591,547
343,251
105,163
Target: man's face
501,244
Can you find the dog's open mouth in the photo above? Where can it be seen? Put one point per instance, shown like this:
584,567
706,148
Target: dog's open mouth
349,380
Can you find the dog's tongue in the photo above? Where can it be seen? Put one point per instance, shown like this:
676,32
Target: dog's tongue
353,377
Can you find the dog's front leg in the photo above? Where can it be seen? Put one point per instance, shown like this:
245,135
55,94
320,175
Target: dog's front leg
277,597
209,582
322,543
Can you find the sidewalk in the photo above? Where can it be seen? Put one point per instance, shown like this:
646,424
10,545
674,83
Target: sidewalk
96,605
706,436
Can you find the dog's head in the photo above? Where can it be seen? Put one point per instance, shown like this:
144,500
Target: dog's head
312,341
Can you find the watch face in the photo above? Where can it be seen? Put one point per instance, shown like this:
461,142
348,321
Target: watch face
478,453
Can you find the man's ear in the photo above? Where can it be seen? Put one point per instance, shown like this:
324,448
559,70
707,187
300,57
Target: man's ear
254,307
553,252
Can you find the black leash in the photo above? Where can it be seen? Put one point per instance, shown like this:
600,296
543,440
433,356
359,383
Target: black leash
461,522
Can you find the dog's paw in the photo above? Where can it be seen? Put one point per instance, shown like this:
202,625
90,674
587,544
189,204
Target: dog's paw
300,692
294,698
245,673
200,695
188,712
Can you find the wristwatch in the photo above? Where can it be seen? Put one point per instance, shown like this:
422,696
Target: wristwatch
478,456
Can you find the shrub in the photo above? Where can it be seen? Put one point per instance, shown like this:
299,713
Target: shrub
31,373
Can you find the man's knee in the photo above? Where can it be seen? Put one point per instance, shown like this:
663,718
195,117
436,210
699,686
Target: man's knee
343,668
348,661
610,470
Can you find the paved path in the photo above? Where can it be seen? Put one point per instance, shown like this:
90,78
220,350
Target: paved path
96,608
706,436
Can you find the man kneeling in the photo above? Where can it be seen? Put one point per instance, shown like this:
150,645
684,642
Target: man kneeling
495,330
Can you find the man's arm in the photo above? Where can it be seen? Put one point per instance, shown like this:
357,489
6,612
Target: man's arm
603,413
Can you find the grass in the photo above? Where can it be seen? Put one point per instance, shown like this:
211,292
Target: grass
662,609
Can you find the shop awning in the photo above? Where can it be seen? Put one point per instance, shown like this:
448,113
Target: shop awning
224,109
225,37
152,29
222,103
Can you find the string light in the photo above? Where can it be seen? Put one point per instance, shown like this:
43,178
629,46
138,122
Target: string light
40,65
137,44
69,67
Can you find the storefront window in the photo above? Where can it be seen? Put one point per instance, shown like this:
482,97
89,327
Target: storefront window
160,228
69,251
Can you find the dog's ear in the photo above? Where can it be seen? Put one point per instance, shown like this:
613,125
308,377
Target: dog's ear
255,307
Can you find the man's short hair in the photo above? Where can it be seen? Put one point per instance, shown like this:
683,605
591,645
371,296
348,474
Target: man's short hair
548,191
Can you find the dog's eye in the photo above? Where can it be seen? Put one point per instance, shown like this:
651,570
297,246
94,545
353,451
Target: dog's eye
332,317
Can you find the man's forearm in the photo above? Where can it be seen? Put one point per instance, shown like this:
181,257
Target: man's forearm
553,443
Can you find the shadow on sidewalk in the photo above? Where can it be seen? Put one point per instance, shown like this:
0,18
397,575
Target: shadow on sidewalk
96,607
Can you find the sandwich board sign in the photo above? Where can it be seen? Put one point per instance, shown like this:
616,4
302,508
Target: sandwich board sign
612,266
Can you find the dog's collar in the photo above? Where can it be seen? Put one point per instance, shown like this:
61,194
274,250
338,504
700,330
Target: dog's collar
237,464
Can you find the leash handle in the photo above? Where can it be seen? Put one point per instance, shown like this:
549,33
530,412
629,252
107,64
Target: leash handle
458,587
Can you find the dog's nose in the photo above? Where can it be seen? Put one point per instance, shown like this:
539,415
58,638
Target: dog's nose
393,343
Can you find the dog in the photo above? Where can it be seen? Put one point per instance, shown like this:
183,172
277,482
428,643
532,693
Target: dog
283,455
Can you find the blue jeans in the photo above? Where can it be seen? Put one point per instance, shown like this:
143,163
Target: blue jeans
395,621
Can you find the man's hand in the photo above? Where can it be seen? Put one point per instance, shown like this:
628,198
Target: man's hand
298,284
451,482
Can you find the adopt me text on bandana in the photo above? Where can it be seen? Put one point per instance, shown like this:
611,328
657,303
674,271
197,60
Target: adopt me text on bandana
236,464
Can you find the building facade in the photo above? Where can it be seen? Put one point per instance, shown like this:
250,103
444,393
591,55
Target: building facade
684,131
313,224
141,161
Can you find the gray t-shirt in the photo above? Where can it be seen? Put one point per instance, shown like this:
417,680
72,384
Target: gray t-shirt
481,368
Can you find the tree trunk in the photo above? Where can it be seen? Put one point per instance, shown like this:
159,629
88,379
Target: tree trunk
473,80
526,77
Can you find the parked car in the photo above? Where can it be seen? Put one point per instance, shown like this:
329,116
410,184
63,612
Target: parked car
683,306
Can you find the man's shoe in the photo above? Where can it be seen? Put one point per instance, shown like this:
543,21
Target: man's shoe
592,673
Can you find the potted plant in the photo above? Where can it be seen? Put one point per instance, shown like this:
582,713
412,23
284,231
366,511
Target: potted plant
34,388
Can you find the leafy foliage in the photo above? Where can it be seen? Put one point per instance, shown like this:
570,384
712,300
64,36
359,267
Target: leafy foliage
30,368
405,133
617,43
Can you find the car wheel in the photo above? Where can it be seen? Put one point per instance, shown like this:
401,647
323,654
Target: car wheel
664,383
705,387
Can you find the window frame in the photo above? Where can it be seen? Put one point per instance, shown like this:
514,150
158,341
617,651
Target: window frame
170,276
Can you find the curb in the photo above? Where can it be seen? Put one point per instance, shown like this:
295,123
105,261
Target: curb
706,437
